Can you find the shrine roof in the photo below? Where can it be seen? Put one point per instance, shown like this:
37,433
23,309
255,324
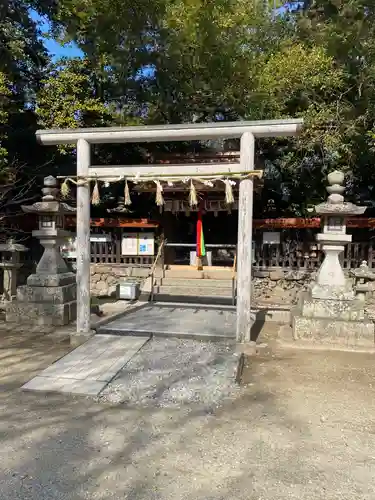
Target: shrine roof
116,222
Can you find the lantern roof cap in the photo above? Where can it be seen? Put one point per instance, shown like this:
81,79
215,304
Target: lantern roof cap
12,246
336,204
49,204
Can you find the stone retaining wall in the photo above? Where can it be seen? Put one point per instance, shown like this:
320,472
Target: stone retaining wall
275,285
104,277
280,287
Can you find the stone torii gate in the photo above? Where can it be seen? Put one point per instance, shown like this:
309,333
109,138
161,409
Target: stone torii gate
247,131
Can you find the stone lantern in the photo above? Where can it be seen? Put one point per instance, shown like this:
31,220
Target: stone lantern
49,298
329,310
334,213
10,263
364,278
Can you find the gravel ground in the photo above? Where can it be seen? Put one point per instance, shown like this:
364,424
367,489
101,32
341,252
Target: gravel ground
303,428
174,373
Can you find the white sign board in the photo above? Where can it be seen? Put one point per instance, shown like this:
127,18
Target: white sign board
129,244
100,238
146,244
271,238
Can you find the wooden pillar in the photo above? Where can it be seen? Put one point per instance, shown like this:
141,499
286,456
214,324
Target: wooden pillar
244,245
83,240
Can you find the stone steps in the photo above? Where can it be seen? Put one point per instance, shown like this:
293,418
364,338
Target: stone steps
191,273
188,285
211,291
193,296
194,283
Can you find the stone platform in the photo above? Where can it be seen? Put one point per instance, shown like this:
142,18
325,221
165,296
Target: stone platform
47,314
175,320
343,310
189,321
333,331
339,320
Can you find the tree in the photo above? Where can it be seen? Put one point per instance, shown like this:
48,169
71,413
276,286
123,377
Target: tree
170,61
67,98
4,105
301,81
23,60
347,32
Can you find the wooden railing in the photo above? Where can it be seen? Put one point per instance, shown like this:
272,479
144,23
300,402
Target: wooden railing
159,259
109,252
308,256
289,254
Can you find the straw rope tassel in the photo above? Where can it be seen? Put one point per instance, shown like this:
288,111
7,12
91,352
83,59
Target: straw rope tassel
193,200
159,194
127,199
229,199
65,189
95,198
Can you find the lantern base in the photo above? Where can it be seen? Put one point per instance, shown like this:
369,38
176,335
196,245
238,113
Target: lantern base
332,331
332,317
41,314
51,280
52,294
46,300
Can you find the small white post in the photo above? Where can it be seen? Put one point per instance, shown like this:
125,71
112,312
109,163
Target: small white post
244,245
83,240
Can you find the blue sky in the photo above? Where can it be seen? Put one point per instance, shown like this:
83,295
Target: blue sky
55,49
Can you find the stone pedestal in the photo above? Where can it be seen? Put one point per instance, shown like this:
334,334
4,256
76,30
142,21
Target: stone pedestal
329,311
49,297
332,319
48,300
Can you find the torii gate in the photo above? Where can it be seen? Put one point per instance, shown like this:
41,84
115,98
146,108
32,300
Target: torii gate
247,131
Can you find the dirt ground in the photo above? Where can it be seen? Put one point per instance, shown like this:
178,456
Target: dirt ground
302,427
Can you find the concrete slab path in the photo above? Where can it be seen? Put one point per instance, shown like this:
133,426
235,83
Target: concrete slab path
89,368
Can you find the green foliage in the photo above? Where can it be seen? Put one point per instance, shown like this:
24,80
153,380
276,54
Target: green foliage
346,30
173,61
4,114
23,60
304,82
227,59
208,60
67,98
22,54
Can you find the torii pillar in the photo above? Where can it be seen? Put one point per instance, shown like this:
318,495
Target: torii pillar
244,241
